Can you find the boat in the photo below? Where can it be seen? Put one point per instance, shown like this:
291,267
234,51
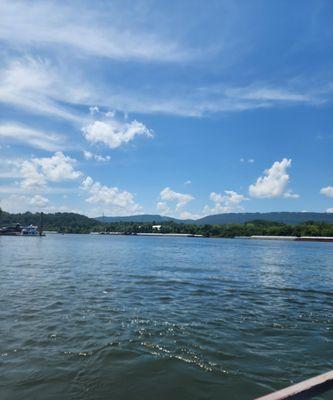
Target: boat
19,230
304,390
31,230
11,230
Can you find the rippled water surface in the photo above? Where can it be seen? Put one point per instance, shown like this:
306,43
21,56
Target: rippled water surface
98,317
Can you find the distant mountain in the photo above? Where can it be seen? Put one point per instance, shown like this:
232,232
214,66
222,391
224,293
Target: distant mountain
283,217
71,222
138,218
230,218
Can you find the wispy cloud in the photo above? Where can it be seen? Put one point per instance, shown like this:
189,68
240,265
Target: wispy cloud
45,24
13,132
269,94
41,86
33,85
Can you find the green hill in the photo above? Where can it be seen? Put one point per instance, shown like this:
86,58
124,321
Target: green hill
72,222
230,218
138,218
292,218
62,222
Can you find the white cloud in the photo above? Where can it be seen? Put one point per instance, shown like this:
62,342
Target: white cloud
35,85
93,110
181,199
109,199
88,155
19,203
274,182
189,215
85,30
270,94
113,132
289,194
249,160
188,182
46,88
35,173
225,203
230,197
327,191
14,132
163,208
39,201
329,210
17,189
100,158
42,87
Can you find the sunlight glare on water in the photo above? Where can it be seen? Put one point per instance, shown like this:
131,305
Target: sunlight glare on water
106,317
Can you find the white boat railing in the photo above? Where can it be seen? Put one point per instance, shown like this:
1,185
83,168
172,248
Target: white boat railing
303,390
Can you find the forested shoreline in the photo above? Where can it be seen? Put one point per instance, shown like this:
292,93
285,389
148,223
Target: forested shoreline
76,223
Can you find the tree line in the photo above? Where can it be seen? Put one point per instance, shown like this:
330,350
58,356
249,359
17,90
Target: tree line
258,227
76,223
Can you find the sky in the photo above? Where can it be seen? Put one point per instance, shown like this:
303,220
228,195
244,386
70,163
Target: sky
181,108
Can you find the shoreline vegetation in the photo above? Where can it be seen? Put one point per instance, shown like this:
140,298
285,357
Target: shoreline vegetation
77,223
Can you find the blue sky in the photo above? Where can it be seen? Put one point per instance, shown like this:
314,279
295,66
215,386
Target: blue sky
182,108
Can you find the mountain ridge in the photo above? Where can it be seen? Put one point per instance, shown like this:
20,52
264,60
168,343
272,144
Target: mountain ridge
287,217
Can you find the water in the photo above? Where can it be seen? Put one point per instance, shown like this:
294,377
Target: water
98,317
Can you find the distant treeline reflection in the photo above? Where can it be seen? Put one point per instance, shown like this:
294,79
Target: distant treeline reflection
76,223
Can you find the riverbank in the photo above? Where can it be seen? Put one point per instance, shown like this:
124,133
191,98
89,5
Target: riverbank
295,238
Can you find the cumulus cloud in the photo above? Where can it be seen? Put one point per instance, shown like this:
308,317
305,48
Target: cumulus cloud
88,155
35,173
329,210
189,215
109,199
19,203
225,203
274,182
113,132
181,199
163,208
327,191
289,194
39,139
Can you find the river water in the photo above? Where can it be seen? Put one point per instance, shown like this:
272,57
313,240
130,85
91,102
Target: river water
107,317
